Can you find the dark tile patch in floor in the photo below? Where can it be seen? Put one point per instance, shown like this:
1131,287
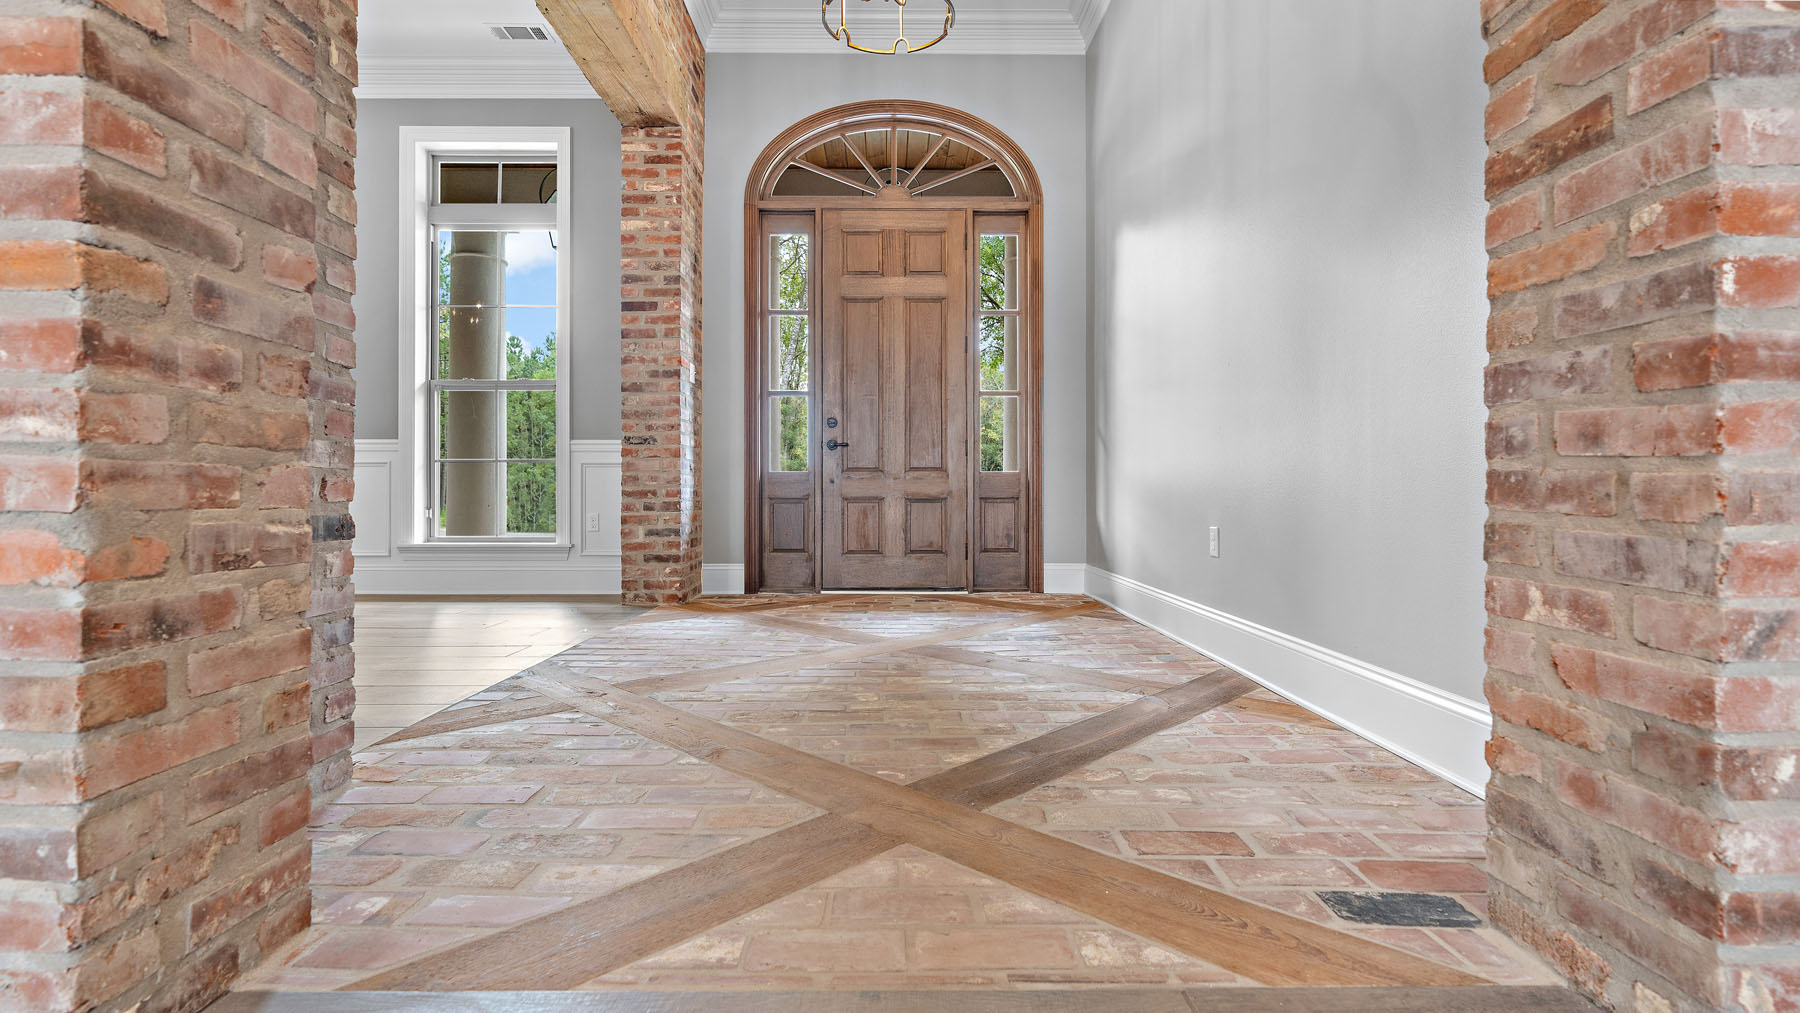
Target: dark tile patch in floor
1420,910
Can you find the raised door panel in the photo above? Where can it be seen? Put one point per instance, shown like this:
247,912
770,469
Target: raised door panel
928,526
998,542
863,384
928,360
864,252
896,492
790,525
925,252
788,537
862,521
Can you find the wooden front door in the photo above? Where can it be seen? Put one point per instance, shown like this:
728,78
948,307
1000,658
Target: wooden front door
894,376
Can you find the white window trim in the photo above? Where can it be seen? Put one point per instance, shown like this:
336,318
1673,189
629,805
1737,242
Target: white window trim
418,146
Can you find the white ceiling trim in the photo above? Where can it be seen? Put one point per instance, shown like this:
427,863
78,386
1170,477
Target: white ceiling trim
414,77
725,28
977,32
705,14
1087,14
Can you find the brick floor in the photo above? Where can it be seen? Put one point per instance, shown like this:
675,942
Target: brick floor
442,838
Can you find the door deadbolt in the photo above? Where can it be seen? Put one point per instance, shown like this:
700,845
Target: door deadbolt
831,423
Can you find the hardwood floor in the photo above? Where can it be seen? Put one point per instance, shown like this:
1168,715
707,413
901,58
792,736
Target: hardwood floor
886,793
414,658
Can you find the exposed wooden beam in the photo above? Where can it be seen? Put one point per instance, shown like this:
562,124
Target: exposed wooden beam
630,64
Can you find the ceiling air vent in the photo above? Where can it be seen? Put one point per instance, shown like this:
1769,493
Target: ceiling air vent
520,33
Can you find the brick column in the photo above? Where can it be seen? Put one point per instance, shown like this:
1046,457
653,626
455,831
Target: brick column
175,263
660,338
1644,542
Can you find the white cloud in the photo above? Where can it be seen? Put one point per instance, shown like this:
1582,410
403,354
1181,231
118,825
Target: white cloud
527,251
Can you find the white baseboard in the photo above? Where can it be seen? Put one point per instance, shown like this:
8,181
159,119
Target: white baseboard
721,578
1442,732
1065,578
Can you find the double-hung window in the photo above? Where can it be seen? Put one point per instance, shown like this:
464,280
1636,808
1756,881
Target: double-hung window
491,394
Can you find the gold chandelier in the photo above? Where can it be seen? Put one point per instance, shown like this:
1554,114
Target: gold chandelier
901,43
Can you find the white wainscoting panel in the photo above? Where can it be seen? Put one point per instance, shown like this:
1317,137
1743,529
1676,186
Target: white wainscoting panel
1442,732
384,566
374,476
597,473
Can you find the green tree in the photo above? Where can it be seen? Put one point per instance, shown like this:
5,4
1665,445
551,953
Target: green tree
792,353
531,432
530,423
991,353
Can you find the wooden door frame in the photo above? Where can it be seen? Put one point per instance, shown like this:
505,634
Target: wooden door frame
760,202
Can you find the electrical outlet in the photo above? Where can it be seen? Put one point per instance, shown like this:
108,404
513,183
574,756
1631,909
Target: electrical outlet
1212,542
593,523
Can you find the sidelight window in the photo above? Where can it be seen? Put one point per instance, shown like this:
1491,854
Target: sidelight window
997,353
789,348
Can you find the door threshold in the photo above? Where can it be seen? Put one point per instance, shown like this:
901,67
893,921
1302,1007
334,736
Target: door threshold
900,591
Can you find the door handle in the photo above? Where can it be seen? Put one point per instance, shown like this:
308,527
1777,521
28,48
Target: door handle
834,444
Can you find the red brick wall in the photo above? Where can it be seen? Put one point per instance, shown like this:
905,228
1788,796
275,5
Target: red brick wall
176,249
1644,443
660,337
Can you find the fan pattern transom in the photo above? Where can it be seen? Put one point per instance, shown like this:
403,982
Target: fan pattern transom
893,157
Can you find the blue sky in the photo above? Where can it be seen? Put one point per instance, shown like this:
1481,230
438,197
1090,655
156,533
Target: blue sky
530,281
530,286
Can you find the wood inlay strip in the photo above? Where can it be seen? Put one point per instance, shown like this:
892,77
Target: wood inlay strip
700,678
980,659
793,601
1261,943
1043,670
498,712
1281,710
572,945
1486,999
583,941
817,629
1017,769
1098,678
994,603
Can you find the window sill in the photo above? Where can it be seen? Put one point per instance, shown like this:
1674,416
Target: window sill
522,548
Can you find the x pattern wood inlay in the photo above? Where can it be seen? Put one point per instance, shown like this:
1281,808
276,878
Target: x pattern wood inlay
626,811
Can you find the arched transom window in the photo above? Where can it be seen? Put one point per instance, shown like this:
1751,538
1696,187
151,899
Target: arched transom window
892,156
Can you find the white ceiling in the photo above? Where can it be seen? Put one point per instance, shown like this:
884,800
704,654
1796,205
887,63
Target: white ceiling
447,51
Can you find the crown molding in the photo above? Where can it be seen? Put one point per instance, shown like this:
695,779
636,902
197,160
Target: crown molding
412,77
705,14
1088,15
1046,31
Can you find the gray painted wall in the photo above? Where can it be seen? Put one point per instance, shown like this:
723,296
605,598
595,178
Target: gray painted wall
594,314
1037,100
1288,335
